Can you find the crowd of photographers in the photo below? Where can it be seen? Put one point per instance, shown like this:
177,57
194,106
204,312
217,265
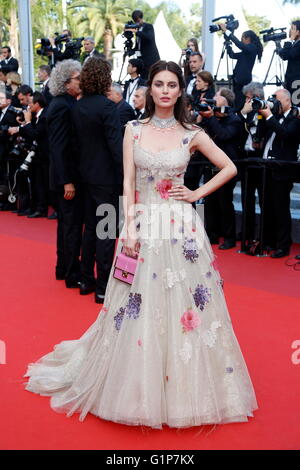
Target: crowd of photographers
42,131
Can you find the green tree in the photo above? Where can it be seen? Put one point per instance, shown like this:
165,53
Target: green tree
101,18
257,23
9,24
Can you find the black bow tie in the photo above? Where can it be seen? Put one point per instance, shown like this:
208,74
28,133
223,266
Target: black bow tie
131,80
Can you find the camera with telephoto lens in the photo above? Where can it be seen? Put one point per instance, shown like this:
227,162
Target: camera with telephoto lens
272,102
19,147
43,47
29,157
130,25
270,35
231,24
203,106
187,52
18,112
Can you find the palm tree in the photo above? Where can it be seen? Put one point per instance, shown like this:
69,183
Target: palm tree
103,18
8,24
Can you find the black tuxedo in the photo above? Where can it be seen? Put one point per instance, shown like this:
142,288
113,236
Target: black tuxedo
11,66
63,157
6,143
126,113
99,136
138,82
291,53
279,185
195,92
219,209
95,53
145,43
254,173
37,131
46,92
64,170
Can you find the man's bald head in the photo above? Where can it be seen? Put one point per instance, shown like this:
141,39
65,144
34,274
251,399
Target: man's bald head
285,99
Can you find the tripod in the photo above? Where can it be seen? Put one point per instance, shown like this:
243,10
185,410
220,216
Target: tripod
279,80
229,77
128,51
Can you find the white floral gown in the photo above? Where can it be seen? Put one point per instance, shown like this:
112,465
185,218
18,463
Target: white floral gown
162,350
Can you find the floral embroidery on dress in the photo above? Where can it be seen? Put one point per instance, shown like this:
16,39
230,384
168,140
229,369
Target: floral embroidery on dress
185,140
190,320
185,353
201,296
209,336
132,309
190,249
162,187
171,277
158,318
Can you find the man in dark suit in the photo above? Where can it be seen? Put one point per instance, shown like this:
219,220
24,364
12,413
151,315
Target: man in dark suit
89,49
44,72
64,175
126,112
134,69
252,146
99,138
291,53
145,47
139,102
195,65
224,127
34,129
282,142
7,119
9,63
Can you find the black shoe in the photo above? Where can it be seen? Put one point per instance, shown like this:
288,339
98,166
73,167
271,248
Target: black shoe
213,240
86,289
52,216
280,253
25,212
297,257
99,298
37,215
227,245
72,283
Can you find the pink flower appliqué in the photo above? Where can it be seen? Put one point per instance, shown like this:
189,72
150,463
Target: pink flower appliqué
162,187
190,320
137,197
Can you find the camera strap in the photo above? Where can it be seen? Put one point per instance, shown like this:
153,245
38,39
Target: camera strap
12,197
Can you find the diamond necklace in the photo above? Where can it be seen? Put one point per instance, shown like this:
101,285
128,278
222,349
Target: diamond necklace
163,124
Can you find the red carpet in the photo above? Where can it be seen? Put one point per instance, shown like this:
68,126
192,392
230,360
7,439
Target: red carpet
37,312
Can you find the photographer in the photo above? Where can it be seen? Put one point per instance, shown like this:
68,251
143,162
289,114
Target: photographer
252,146
291,53
7,119
145,47
251,48
64,174
44,72
282,142
224,127
204,85
134,69
125,111
24,94
9,63
34,129
192,46
99,137
63,47
195,65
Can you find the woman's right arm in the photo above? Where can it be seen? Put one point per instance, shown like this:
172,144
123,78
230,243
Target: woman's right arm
130,242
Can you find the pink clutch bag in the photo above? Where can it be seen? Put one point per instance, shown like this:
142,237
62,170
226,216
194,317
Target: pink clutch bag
125,268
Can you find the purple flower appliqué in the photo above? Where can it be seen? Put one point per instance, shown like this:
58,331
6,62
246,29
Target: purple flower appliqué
135,123
133,306
190,250
132,309
201,296
150,179
119,318
185,141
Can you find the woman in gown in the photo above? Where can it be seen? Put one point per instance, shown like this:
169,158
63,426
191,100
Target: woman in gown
162,350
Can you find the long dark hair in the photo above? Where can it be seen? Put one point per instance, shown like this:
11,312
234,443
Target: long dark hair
180,111
256,41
